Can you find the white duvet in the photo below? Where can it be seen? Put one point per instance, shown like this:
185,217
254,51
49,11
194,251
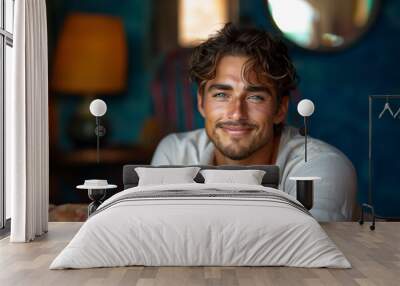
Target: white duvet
183,231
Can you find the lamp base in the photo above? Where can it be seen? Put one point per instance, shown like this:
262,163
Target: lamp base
97,196
305,190
305,193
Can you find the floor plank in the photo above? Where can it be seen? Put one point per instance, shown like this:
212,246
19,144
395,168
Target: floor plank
374,255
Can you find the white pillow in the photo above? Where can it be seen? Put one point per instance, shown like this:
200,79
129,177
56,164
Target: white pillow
248,177
162,176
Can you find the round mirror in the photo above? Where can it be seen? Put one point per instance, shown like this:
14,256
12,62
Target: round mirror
323,24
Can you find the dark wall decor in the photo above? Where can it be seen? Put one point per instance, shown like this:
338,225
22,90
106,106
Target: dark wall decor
338,83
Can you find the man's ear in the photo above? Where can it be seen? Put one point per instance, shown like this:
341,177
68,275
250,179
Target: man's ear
200,102
282,110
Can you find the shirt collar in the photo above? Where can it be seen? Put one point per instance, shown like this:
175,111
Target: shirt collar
208,157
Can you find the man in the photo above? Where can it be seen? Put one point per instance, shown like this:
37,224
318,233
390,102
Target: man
244,80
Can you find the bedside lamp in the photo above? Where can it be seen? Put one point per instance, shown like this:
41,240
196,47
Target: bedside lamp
97,188
305,109
305,185
98,108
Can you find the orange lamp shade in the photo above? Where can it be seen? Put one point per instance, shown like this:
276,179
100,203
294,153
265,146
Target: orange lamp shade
91,55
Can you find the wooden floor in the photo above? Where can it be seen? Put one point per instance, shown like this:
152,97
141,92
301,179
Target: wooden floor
375,256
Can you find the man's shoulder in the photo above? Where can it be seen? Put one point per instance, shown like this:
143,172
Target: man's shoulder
192,147
194,136
316,149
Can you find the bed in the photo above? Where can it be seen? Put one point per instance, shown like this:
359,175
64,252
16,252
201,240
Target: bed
201,224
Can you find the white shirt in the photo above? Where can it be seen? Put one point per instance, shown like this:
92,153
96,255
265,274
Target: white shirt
334,194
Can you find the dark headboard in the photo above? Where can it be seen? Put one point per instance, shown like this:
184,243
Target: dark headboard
270,179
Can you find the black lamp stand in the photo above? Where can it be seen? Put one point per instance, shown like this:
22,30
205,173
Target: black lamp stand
100,131
97,195
305,138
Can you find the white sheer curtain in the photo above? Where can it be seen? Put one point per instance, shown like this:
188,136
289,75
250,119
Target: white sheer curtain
27,147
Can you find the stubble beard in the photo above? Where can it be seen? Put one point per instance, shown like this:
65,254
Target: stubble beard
233,150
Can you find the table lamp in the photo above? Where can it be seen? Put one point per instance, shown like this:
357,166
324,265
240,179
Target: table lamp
305,109
90,60
97,188
98,108
305,185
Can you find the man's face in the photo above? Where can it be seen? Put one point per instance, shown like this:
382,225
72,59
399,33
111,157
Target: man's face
239,116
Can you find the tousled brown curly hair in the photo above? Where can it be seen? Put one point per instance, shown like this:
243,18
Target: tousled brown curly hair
268,58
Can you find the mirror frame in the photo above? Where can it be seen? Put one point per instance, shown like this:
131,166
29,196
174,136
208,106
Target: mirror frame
373,19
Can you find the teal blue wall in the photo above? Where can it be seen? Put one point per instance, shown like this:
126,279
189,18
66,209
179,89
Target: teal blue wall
338,83
128,110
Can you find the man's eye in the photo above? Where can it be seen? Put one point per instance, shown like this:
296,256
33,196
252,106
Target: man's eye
256,98
220,95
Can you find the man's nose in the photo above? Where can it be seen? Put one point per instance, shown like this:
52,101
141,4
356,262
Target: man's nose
237,110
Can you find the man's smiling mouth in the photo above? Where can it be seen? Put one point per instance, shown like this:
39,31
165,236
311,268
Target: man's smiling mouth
236,129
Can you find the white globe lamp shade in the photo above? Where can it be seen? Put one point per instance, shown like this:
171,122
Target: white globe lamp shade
305,107
98,107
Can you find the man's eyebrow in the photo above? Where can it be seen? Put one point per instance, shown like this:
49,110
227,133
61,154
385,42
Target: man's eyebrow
220,86
255,88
